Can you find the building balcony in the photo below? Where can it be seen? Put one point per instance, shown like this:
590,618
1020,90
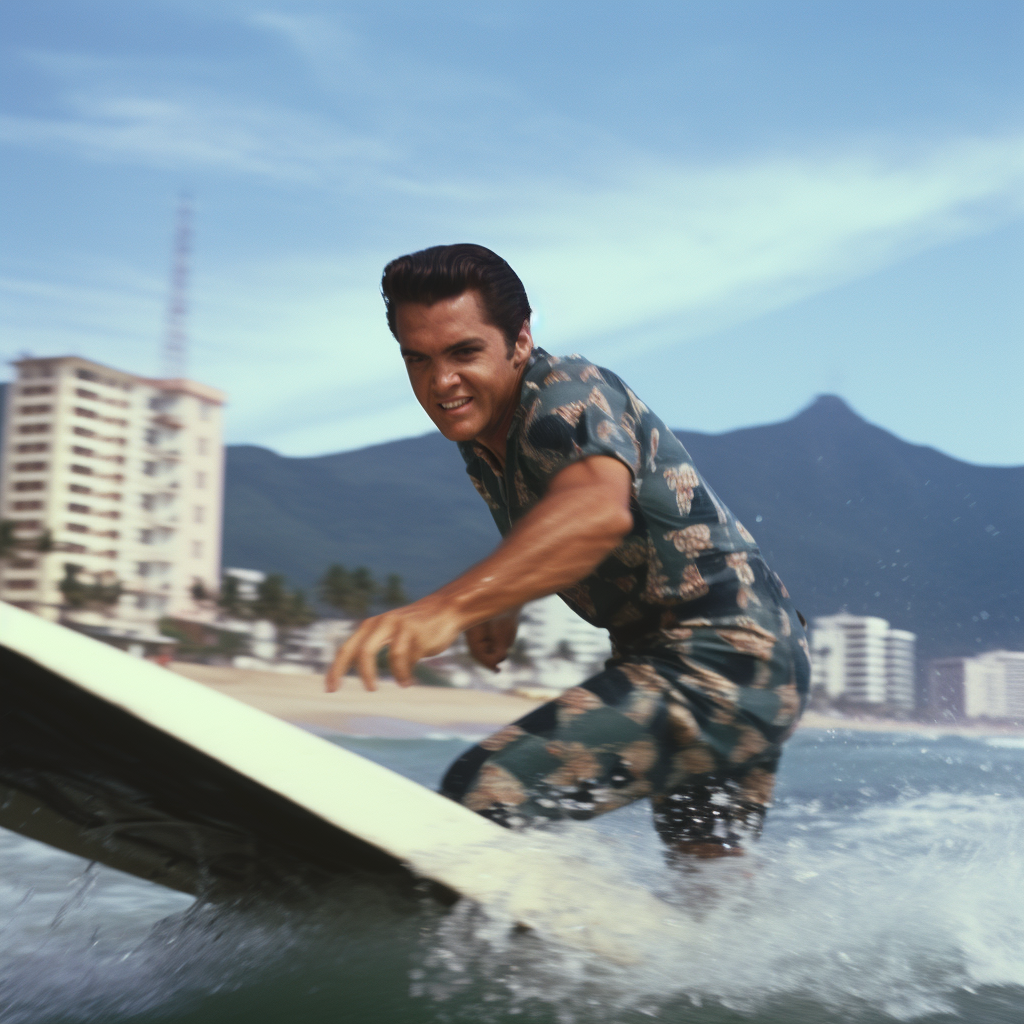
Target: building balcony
168,421
26,526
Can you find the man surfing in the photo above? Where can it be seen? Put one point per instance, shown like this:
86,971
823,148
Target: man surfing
599,502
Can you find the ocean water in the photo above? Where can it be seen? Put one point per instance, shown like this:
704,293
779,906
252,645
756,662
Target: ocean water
889,886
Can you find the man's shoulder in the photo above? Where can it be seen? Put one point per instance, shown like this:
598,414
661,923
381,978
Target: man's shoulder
546,371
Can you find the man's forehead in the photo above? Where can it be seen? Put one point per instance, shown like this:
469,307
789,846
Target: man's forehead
444,325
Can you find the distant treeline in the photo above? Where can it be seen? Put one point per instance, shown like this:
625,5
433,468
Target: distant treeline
354,592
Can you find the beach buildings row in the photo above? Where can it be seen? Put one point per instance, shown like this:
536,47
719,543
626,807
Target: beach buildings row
989,685
863,660
121,478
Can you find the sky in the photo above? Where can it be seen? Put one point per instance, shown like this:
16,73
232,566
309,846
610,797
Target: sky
736,205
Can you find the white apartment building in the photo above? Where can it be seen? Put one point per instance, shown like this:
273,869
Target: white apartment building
125,474
861,658
988,685
900,668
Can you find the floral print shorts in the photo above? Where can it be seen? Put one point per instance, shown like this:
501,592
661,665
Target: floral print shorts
671,724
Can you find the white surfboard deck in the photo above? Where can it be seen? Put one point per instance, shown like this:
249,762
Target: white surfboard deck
301,777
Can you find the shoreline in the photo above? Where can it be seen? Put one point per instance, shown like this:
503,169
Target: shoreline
418,712
820,720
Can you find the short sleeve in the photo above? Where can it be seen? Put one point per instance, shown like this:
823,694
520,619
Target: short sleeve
577,410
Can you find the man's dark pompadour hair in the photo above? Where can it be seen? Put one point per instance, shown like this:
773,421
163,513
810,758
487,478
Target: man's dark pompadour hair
444,271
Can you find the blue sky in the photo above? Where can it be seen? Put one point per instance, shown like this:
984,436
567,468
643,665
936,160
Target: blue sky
735,205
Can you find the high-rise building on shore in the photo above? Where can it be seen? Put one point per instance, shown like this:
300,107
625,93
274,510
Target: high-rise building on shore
861,658
987,685
122,477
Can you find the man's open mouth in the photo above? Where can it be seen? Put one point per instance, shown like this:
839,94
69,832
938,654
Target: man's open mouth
455,403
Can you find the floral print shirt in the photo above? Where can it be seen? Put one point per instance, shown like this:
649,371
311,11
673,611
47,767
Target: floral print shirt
687,559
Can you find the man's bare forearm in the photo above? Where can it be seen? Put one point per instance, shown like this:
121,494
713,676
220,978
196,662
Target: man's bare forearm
558,542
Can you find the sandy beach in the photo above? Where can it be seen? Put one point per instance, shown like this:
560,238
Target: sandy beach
390,711
420,710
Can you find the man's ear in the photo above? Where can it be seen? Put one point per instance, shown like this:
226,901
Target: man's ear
523,346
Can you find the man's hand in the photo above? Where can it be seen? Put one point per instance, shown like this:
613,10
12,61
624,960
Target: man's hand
489,641
419,630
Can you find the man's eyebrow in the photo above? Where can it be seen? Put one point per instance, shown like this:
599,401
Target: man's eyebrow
465,343
454,347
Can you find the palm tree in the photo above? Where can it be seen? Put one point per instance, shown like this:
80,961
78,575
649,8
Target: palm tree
349,592
286,609
394,592
230,599
335,587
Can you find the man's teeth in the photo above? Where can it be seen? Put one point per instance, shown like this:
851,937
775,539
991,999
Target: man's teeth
454,405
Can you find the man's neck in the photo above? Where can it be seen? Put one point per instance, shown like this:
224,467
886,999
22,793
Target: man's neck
495,440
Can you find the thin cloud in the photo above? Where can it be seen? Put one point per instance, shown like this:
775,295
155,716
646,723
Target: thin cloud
703,246
198,130
351,67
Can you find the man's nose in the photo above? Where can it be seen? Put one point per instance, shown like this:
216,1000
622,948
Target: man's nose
446,377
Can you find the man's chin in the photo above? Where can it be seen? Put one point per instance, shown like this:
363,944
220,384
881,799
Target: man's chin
456,431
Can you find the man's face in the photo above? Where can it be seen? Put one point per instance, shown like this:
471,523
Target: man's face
459,367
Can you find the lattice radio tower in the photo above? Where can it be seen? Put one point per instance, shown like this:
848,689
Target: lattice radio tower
176,336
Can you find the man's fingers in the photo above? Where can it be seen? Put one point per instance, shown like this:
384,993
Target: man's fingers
493,647
400,658
344,658
488,651
488,644
332,681
339,667
367,664
349,655
409,638
378,637
481,642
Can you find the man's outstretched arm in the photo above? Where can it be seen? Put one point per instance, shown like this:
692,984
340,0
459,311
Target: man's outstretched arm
569,532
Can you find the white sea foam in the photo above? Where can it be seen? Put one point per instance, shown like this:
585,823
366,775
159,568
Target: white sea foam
890,913
1009,742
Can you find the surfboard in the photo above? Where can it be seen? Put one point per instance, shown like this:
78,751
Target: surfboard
123,762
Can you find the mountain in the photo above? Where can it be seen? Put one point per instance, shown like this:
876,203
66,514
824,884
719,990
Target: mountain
852,517
848,515
405,507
